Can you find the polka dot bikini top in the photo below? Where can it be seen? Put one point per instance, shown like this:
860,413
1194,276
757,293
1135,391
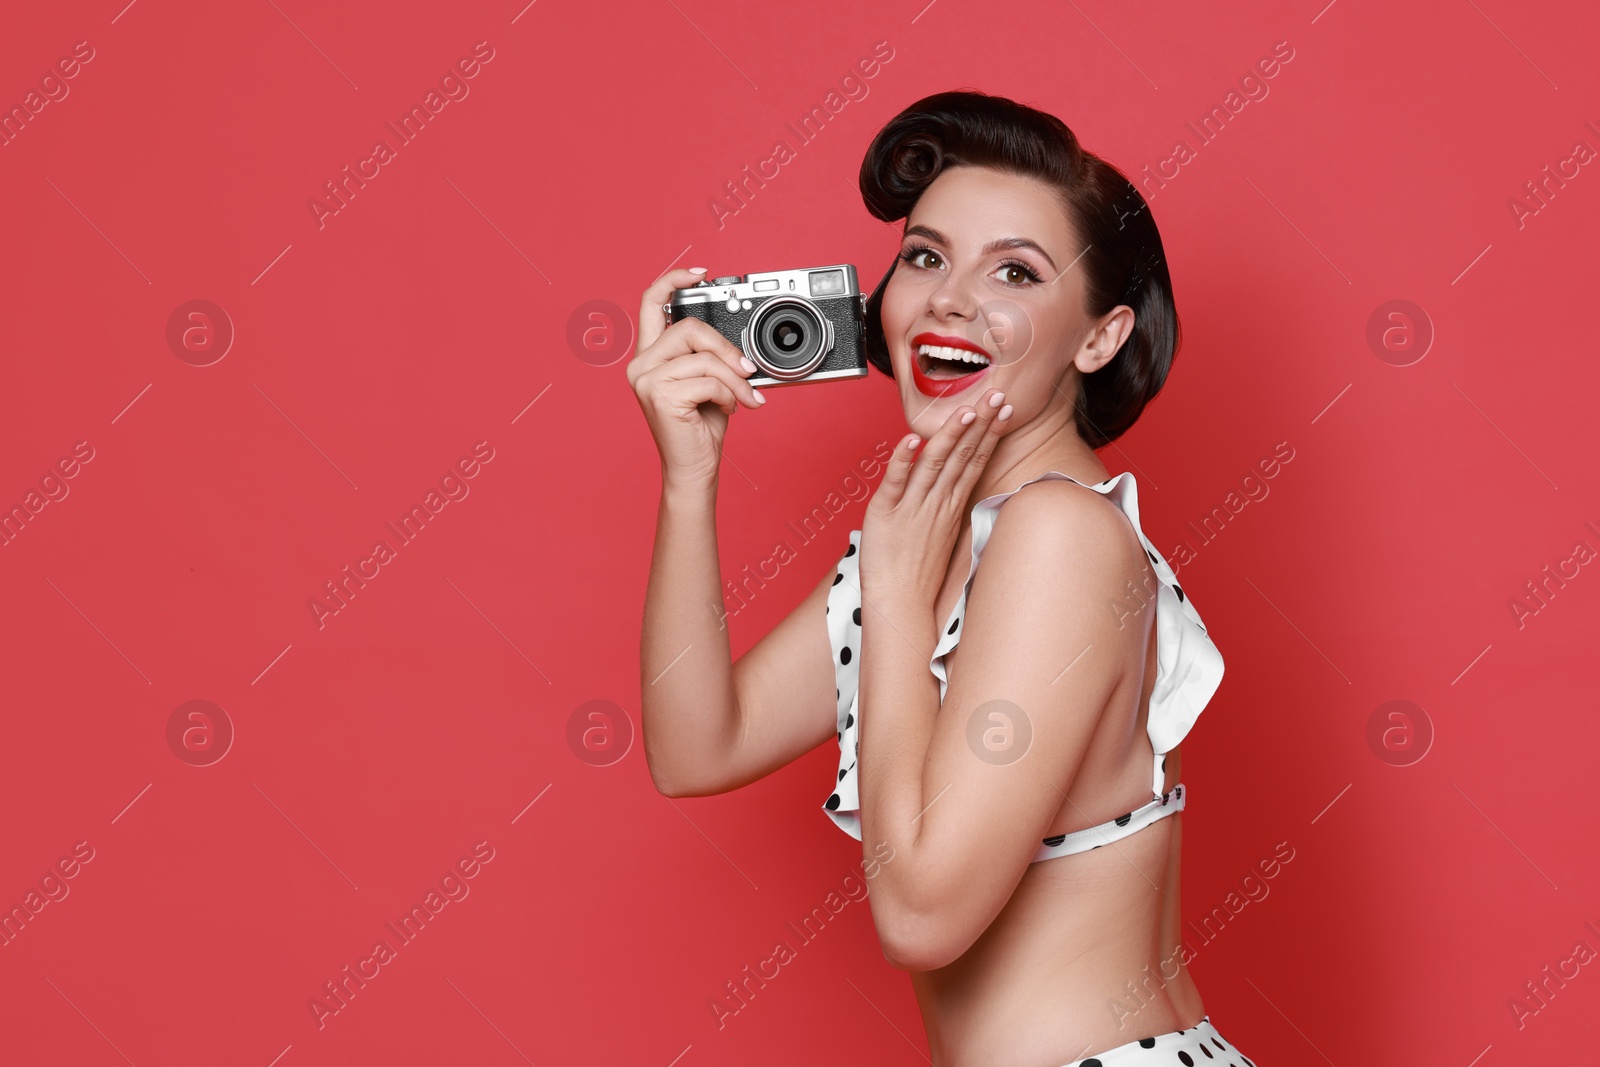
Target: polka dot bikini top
1189,669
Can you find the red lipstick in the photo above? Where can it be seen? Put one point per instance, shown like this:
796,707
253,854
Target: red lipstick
940,387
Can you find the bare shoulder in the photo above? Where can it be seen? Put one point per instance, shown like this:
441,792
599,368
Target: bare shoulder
1057,521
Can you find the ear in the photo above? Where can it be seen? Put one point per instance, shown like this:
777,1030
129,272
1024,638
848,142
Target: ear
1105,339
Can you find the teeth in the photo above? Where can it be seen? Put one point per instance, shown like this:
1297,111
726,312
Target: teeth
960,354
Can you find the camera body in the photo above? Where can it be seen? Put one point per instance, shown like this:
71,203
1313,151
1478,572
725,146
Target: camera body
802,325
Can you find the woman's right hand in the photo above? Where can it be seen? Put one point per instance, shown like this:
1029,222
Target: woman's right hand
688,379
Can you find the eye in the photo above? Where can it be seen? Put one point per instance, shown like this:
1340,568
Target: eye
1028,273
916,252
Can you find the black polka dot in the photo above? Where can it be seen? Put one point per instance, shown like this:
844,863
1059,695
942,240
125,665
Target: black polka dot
855,616
1163,763
837,736
1176,588
844,654
833,802
1209,1054
841,778
827,609
1185,1059
953,624
837,578
1056,840
1122,820
836,693
1147,1042
1217,1042
849,719
1152,556
850,551
1091,1062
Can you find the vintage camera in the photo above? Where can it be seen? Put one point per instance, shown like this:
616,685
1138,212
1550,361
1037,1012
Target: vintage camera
795,325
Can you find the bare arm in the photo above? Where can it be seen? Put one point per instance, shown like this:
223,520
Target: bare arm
710,725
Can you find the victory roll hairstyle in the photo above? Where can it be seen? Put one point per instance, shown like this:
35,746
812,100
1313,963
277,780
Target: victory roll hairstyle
1123,262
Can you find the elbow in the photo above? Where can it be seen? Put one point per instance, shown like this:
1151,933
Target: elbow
914,940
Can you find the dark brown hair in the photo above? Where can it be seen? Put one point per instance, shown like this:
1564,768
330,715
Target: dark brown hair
1124,262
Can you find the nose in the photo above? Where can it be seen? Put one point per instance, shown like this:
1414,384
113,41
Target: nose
952,298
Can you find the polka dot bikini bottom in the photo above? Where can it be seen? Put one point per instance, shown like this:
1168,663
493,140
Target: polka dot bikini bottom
1198,1046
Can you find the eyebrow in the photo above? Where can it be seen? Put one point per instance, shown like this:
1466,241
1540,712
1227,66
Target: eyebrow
993,246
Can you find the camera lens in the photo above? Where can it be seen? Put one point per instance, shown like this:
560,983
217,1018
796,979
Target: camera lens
787,337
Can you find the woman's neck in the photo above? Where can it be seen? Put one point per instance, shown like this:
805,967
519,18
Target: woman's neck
1030,451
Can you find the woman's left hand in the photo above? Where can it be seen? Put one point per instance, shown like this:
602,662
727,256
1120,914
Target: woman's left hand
914,518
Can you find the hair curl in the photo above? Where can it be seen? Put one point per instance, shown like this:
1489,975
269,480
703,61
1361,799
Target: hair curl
1124,262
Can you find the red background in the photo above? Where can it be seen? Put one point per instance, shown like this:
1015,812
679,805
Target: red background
373,352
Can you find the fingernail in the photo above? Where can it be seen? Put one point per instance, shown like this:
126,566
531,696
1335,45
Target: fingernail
966,420
994,401
760,397
914,441
697,270
749,368
1005,412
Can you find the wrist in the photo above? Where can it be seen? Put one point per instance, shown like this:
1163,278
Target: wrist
687,492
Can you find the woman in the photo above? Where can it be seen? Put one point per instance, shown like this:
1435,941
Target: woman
1017,801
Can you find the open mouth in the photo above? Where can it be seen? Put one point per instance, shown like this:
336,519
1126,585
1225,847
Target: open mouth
942,363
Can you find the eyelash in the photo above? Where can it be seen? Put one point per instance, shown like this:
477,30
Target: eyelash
916,250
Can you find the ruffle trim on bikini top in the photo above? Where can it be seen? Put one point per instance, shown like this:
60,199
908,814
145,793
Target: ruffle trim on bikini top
1189,665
